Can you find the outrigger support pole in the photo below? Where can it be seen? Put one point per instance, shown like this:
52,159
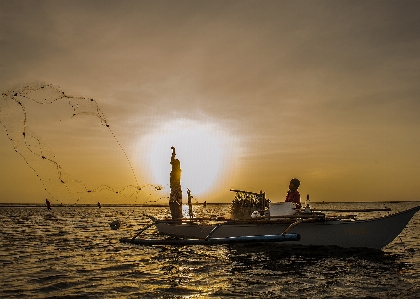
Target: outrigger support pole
142,230
212,231
299,220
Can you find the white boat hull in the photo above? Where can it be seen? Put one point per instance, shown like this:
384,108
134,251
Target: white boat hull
375,233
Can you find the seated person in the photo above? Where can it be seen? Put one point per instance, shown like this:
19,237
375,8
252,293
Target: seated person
293,193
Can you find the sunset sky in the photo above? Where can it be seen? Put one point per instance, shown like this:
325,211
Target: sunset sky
251,94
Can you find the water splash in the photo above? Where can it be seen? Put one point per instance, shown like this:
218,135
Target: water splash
29,145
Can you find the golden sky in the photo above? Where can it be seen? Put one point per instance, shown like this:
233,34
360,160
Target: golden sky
252,93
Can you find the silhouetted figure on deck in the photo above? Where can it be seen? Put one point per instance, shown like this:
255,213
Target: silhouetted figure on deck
190,197
175,198
293,193
99,205
47,202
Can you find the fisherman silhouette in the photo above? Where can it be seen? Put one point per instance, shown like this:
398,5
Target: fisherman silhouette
293,193
47,202
175,198
190,197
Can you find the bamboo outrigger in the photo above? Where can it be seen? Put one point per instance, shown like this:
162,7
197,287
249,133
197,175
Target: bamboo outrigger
213,241
210,240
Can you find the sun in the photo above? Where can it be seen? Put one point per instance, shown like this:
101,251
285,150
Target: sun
205,150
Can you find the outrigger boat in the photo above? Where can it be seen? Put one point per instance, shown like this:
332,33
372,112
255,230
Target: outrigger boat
272,222
314,228
302,227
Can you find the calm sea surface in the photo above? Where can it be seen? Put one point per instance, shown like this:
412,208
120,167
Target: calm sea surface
71,252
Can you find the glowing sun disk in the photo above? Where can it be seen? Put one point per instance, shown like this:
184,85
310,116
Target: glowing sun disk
203,150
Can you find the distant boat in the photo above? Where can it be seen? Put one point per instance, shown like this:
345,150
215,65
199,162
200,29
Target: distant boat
313,228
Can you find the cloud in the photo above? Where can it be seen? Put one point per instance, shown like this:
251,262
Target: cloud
320,78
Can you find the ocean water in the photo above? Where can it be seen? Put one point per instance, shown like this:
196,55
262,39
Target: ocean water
71,252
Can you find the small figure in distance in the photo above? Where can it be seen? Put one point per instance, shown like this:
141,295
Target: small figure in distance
190,209
47,202
293,193
99,205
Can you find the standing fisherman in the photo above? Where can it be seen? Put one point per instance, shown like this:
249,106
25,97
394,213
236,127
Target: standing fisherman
47,202
190,197
175,198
